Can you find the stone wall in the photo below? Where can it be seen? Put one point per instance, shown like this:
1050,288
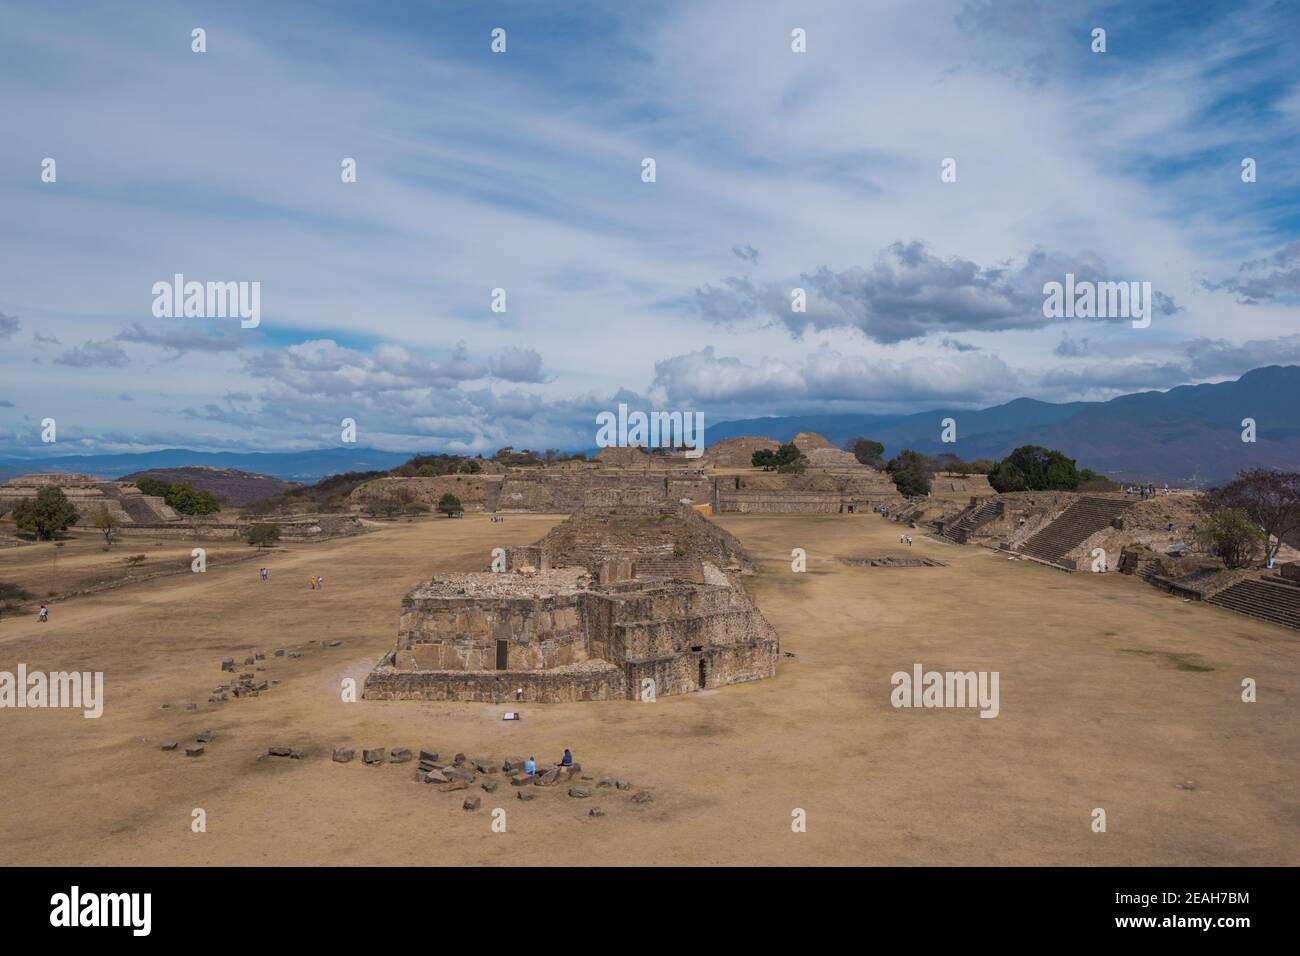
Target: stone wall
767,502
445,633
738,452
571,644
386,683
682,674
472,490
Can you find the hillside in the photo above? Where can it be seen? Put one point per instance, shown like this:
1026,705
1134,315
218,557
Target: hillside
234,488
1189,435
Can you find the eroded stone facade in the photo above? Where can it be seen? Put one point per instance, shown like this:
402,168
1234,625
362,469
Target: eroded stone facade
544,634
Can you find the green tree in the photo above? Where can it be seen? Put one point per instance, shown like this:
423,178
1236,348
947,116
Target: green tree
449,504
154,487
263,535
867,451
770,460
1232,535
45,515
471,466
908,469
1032,468
188,500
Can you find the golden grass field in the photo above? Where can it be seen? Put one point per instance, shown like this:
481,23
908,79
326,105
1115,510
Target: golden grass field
1113,695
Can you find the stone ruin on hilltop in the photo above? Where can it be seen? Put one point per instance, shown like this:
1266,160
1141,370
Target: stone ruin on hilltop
610,604
722,481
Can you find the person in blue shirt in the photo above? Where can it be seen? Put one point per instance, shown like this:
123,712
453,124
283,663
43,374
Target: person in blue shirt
530,767
567,759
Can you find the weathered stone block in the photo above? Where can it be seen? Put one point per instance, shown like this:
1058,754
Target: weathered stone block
548,779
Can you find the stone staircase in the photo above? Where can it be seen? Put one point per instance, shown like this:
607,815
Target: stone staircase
908,514
1263,598
959,530
492,494
1072,527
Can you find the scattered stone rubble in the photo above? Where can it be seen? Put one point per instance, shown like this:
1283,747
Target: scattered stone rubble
464,772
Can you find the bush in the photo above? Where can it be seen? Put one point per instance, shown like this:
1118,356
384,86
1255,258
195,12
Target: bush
107,526
418,508
1233,536
263,535
136,560
45,515
449,504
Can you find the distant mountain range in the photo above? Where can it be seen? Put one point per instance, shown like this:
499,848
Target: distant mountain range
1190,435
304,467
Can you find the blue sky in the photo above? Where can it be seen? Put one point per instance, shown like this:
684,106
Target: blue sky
522,171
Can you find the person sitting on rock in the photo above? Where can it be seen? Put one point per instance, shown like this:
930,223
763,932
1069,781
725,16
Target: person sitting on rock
530,767
567,759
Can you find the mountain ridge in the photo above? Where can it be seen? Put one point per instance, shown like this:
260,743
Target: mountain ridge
1187,435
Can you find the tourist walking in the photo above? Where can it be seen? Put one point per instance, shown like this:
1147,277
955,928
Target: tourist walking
44,616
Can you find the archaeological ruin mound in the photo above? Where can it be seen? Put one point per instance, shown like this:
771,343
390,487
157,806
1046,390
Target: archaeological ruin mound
615,603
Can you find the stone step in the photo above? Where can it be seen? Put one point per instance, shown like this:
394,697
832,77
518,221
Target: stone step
1261,599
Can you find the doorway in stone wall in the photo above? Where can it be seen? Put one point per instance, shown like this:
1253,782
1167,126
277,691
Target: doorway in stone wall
704,673
502,654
